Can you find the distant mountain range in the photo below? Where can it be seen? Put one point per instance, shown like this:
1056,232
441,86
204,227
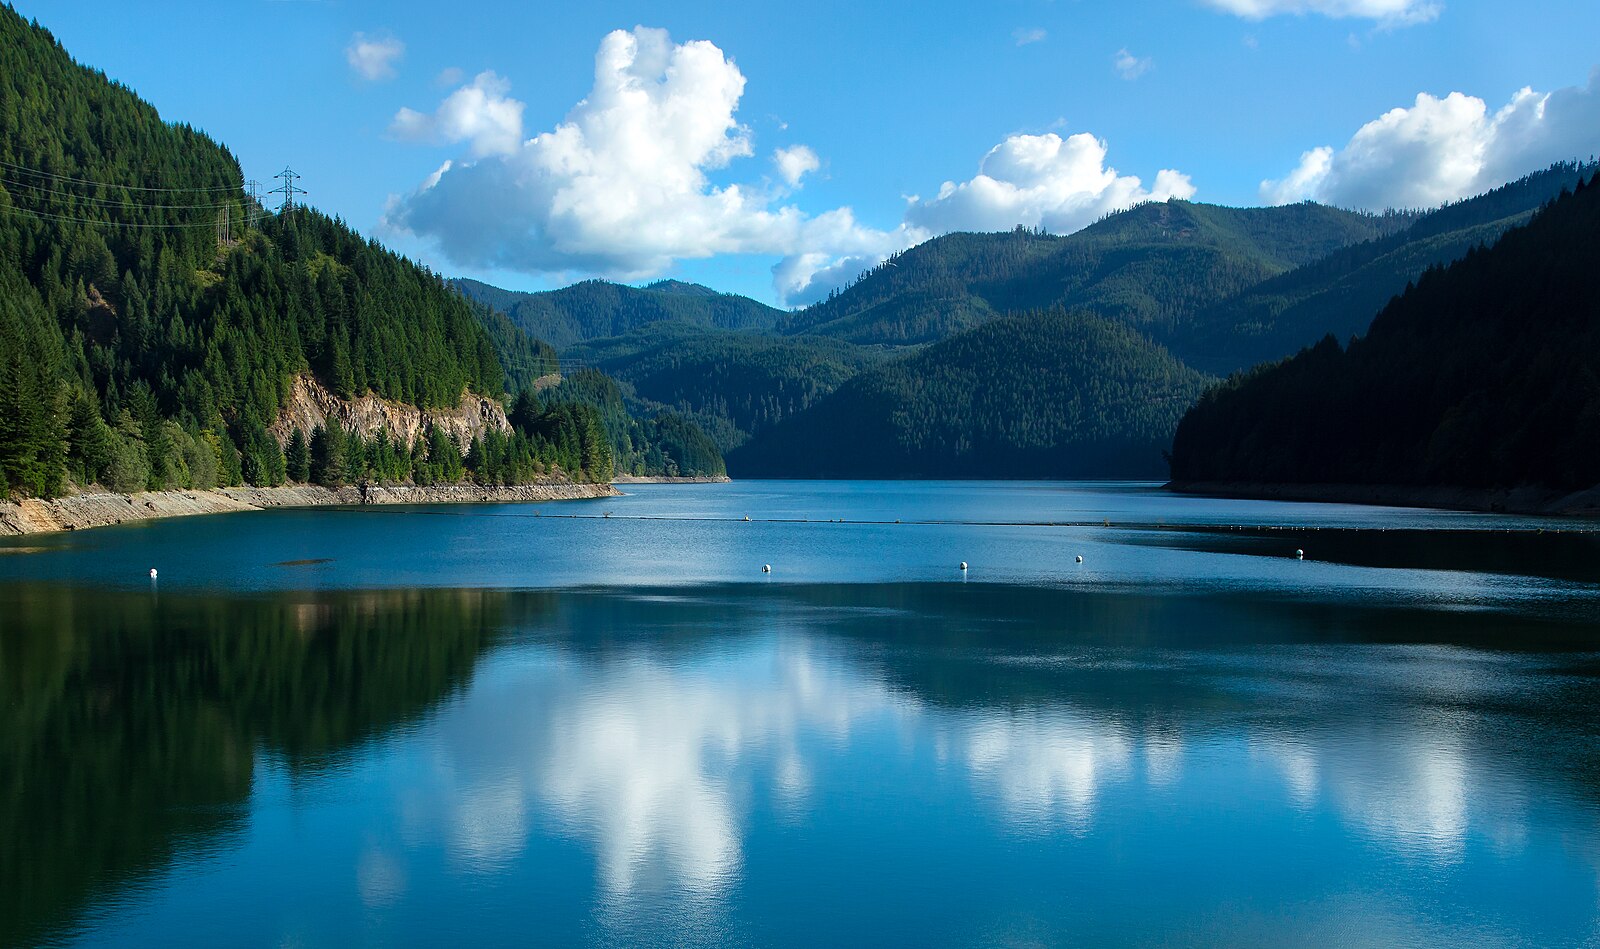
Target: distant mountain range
596,309
953,358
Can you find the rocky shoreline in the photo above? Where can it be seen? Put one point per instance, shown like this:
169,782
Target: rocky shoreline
673,479
83,511
1501,501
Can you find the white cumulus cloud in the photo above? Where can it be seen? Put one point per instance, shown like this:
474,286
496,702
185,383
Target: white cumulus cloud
1129,66
1026,35
1060,184
1388,12
621,187
1443,149
374,57
795,163
480,112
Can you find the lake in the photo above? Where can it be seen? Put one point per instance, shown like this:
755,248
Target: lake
602,723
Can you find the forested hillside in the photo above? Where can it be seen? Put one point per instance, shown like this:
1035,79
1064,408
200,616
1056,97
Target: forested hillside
1481,375
658,442
153,318
732,384
1220,287
1148,267
1340,293
1042,395
595,309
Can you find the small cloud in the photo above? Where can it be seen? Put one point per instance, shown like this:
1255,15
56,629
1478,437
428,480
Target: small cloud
1131,67
449,76
1060,184
1388,13
482,113
1024,35
1250,41
795,163
373,58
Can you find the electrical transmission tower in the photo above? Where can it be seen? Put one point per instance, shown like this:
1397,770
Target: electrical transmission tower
253,210
288,190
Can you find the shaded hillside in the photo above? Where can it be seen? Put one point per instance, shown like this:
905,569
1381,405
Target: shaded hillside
1149,266
1042,395
595,309
732,384
1340,293
1482,375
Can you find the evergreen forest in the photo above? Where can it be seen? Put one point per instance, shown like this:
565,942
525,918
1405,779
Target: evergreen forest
154,315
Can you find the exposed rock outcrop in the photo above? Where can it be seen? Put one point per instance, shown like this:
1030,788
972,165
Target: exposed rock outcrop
311,404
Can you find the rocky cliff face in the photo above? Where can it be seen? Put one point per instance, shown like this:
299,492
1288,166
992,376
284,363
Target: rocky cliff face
311,405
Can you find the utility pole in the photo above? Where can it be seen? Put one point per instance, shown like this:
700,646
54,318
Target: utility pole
288,190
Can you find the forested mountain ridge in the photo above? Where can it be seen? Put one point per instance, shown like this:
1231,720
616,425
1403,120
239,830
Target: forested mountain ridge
1223,285
1042,395
153,318
596,309
1147,266
732,384
1340,293
1483,375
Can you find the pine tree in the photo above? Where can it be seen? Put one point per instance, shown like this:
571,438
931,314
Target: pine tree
297,457
327,457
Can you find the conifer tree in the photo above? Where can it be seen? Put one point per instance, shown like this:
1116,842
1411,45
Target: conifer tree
297,457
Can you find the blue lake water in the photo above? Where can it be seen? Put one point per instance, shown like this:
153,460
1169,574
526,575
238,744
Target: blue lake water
600,723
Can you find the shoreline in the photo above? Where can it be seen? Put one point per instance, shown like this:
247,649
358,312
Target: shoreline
670,479
1527,500
105,509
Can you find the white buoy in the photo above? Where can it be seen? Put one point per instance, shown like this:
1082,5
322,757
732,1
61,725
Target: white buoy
152,573
766,568
1080,558
1299,555
963,565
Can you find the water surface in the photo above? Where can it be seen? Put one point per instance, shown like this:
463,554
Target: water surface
420,726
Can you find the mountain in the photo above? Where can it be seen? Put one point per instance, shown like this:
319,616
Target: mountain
1340,293
732,384
1041,395
154,320
659,441
1149,266
1482,375
596,309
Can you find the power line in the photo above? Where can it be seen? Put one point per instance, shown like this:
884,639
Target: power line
107,202
80,220
106,184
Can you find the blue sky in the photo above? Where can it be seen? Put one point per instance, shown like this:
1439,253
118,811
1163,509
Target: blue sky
680,177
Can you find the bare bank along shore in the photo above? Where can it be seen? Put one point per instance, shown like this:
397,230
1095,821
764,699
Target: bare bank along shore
103,509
